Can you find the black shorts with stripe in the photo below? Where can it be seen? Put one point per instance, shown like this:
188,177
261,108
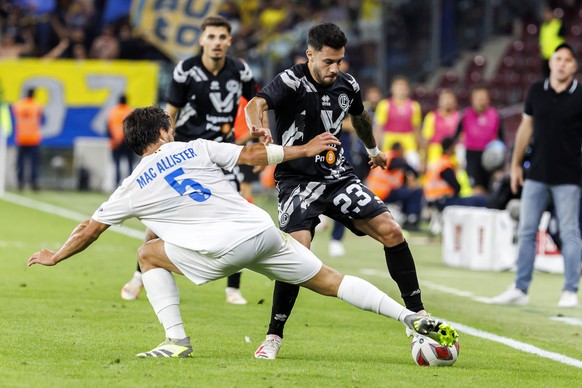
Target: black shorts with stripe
301,203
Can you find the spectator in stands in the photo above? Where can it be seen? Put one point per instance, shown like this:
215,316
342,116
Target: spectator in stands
28,116
119,148
479,126
553,120
438,124
441,187
10,49
106,45
398,183
552,32
397,119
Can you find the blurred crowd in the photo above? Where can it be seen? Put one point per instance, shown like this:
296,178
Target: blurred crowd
72,29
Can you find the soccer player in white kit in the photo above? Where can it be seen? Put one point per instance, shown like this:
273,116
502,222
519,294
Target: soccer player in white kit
180,193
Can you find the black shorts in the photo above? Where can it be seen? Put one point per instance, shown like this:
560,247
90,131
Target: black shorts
301,203
477,174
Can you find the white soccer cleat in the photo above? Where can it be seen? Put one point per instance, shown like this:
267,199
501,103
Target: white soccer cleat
132,289
410,332
511,296
234,296
269,348
569,299
171,348
336,249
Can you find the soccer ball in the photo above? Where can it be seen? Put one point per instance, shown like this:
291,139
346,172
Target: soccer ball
493,157
428,352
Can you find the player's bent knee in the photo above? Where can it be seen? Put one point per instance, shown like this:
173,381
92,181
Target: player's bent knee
325,282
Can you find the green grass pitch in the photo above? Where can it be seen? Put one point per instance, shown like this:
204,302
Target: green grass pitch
66,326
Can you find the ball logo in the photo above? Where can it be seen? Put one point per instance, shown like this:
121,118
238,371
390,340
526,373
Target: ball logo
343,101
330,157
225,128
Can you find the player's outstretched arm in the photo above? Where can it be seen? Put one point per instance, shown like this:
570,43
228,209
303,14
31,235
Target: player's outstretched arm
262,154
363,125
82,236
255,117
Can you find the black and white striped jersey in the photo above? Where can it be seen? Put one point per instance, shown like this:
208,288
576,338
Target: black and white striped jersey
304,109
208,103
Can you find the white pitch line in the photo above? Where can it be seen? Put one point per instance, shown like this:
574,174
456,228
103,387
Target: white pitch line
522,346
65,213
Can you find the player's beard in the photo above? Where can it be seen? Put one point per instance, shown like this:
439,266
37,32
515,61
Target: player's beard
322,79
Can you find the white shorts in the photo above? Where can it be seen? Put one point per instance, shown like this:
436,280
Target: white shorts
272,253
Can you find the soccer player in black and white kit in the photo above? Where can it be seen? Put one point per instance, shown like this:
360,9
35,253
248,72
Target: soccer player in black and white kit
310,99
203,99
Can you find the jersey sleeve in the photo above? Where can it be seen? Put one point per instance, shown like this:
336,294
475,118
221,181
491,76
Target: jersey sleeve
177,92
280,89
528,106
428,126
416,114
116,209
381,114
249,88
357,107
224,155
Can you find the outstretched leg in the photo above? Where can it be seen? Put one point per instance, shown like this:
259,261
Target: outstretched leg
363,295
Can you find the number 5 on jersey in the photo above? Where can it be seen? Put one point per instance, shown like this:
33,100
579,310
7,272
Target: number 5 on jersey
200,193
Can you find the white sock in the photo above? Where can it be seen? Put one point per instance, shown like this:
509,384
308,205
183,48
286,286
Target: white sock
137,275
366,296
165,299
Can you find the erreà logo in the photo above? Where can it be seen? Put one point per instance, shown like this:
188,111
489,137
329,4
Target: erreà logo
325,100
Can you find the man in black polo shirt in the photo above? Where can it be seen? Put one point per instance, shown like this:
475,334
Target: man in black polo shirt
552,122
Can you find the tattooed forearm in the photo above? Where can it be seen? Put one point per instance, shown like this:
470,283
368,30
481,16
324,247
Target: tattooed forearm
363,126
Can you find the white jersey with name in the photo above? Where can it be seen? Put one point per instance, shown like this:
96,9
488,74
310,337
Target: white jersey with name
180,193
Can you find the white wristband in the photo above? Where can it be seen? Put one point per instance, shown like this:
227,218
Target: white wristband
275,153
373,151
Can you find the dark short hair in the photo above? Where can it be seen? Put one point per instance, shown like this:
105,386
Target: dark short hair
123,99
326,34
569,47
30,92
215,21
141,127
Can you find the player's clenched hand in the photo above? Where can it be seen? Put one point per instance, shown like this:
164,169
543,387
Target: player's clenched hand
264,134
322,142
378,161
44,257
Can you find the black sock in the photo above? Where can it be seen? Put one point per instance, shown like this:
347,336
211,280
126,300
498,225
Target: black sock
401,267
284,296
233,280
138,268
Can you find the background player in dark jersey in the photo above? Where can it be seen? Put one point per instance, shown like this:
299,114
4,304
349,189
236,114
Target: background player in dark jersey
203,99
309,99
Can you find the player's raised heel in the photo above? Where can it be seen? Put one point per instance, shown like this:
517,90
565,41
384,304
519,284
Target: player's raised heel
442,332
171,348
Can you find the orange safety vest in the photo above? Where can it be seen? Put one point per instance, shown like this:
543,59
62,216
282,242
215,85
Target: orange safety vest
28,116
382,182
115,123
435,187
240,123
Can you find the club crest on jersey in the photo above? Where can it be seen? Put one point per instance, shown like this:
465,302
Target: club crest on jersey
343,101
214,85
232,86
325,100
